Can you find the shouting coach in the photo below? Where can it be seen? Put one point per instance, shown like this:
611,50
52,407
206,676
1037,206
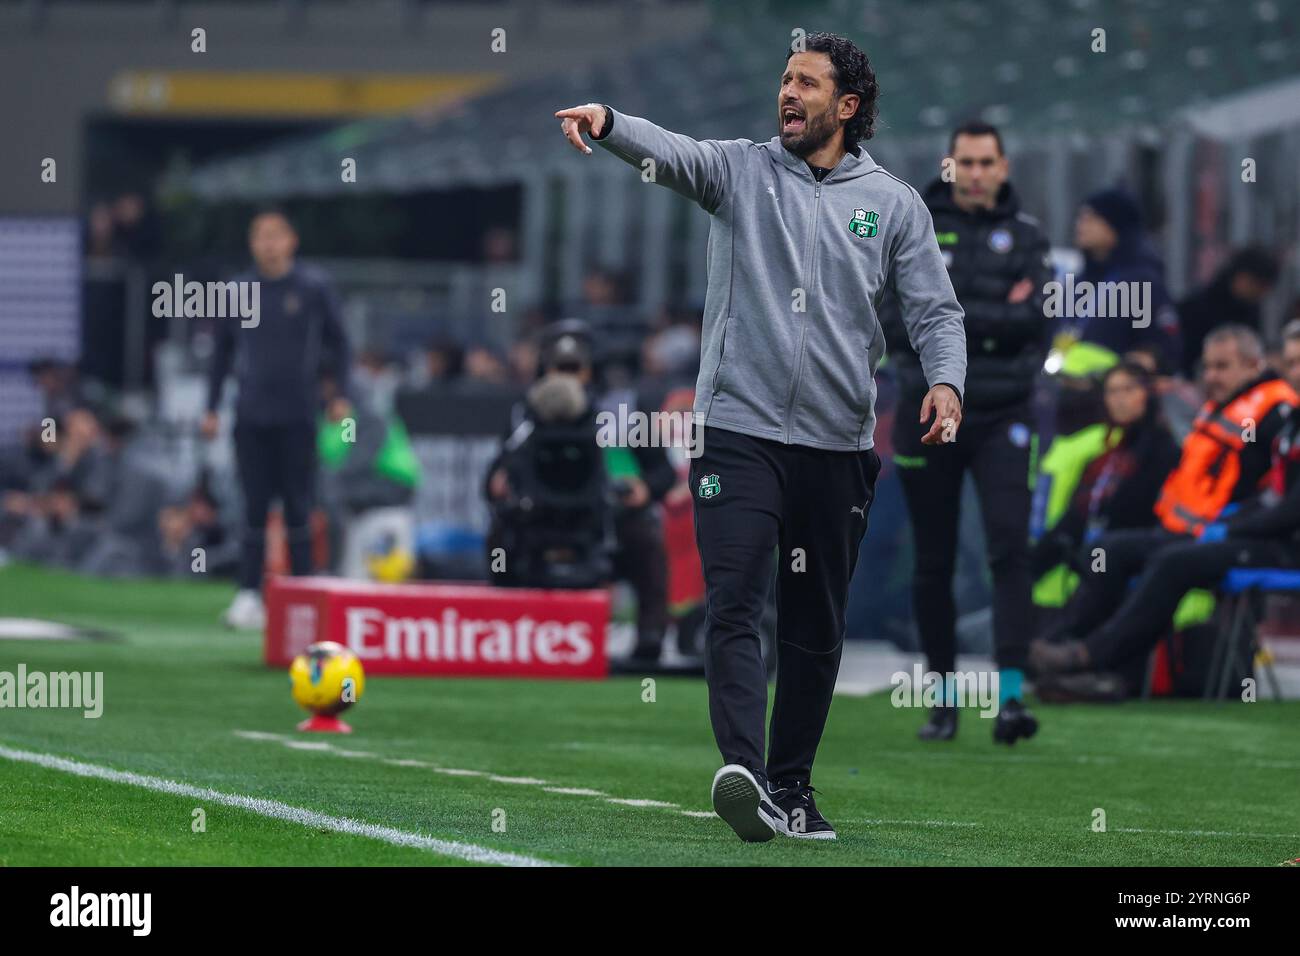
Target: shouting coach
808,236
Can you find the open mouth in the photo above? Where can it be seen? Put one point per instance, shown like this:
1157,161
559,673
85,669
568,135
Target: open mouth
792,121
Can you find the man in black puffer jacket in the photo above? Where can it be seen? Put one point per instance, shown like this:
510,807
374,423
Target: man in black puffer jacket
997,258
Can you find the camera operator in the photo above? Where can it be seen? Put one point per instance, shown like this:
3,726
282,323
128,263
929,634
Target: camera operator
639,556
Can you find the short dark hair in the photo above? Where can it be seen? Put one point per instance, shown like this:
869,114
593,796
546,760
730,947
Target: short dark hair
1139,373
1256,261
272,209
975,127
853,74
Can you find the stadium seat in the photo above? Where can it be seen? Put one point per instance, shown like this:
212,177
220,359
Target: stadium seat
1242,589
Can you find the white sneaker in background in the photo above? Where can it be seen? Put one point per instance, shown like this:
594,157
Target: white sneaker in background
246,612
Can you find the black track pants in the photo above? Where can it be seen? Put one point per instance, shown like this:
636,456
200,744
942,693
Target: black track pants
275,461
996,449
757,501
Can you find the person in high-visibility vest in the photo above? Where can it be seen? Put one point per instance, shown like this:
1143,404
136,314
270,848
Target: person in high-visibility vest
1224,462
1104,478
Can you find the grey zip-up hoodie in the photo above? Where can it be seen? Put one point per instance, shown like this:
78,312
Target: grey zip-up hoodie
796,271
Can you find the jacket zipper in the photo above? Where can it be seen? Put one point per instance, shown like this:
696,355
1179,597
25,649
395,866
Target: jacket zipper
811,250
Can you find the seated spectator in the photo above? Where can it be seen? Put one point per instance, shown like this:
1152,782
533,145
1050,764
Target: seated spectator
94,507
1118,488
1242,436
1233,296
65,476
482,364
196,523
1179,399
444,363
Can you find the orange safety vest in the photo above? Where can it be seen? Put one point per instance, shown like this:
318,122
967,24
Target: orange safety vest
1207,475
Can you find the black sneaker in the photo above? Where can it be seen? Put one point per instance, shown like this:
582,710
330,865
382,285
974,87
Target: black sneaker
802,819
942,724
740,797
1014,721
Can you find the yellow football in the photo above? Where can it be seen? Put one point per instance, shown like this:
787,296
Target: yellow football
327,678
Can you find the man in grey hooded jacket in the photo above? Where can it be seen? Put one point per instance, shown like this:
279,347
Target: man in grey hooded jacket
808,236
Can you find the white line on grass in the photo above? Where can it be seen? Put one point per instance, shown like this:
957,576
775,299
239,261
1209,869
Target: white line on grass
324,746
920,823
277,810
1208,833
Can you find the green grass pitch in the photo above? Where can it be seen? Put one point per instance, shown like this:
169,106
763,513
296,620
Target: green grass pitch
1181,783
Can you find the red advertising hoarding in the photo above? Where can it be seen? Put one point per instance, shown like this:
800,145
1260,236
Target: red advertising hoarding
442,630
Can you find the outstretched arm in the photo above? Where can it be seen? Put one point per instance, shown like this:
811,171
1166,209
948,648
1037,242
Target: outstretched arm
695,168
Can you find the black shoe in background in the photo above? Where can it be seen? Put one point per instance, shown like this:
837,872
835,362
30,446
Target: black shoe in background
1014,721
942,724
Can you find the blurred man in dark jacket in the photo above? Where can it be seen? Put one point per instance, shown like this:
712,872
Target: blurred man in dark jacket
997,260
279,363
1232,297
1109,232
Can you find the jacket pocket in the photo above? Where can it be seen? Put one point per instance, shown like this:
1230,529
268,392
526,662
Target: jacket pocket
875,350
719,379
752,376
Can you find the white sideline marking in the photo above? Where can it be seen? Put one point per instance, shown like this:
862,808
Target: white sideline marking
1210,833
920,823
277,810
324,746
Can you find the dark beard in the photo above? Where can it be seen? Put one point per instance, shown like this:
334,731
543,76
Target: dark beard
817,132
